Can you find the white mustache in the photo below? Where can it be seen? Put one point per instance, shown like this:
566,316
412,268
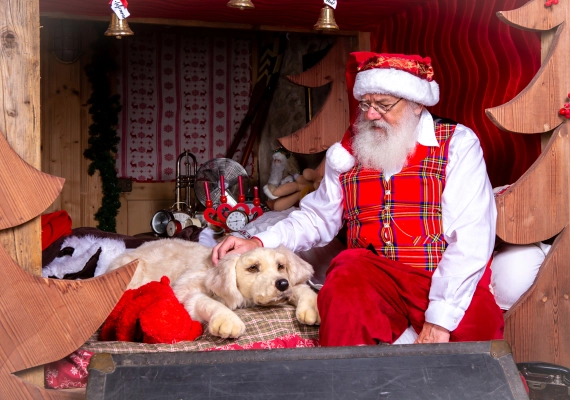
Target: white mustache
379,123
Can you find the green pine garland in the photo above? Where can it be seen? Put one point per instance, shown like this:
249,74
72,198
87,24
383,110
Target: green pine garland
103,138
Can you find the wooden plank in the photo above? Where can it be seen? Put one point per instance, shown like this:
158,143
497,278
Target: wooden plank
141,212
138,206
199,24
152,191
122,217
535,208
363,41
48,164
20,112
61,132
537,326
91,191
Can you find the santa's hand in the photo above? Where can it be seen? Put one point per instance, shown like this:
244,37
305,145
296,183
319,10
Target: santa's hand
233,245
432,333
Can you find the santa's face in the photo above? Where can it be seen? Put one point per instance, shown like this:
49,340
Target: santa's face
393,116
385,141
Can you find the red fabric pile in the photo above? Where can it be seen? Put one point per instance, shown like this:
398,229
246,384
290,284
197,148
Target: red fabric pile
54,226
150,314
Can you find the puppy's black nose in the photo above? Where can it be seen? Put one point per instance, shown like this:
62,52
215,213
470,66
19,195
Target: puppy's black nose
282,285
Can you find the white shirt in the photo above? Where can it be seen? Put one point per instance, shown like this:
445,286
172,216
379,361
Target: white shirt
469,220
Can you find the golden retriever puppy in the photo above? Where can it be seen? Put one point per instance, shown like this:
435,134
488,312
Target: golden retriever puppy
261,277
163,257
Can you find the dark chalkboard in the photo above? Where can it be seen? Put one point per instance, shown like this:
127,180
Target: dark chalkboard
477,370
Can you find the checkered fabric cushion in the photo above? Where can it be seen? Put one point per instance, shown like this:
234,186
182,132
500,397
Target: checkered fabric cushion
263,324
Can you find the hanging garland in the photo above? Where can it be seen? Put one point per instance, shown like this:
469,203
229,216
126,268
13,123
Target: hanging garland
103,138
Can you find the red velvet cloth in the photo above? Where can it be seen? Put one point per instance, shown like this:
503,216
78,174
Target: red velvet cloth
479,62
369,299
150,314
54,226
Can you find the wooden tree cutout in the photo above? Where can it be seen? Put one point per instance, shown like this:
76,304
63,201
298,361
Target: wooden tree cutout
535,109
330,122
25,192
42,320
536,207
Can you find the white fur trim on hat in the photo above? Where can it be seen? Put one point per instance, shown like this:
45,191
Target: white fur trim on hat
339,159
396,83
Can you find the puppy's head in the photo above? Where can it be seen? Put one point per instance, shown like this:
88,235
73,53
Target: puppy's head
259,277
221,280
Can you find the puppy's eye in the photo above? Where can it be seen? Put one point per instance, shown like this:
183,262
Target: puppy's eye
254,268
280,267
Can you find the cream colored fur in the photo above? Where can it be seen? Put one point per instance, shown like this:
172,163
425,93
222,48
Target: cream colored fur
210,293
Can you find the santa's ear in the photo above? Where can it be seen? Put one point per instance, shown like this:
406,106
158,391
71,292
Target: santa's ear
299,270
222,280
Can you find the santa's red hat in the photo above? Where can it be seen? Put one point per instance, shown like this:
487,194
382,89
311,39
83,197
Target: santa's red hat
406,76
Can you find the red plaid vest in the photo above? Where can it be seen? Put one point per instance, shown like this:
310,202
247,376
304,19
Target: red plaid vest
401,218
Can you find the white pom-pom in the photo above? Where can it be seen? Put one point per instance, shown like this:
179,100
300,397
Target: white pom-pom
339,158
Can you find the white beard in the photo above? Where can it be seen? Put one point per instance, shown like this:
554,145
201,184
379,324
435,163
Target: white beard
388,148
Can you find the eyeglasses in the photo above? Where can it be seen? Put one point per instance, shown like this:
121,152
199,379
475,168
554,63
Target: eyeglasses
379,108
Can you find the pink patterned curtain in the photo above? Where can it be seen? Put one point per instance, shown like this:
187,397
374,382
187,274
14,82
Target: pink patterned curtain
180,90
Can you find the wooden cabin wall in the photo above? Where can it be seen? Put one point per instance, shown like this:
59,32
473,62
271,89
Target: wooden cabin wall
65,125
139,205
65,122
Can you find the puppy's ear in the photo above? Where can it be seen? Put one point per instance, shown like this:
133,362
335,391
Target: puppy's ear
222,280
298,269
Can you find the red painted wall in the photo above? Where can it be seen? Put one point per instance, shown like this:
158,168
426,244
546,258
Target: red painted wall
479,62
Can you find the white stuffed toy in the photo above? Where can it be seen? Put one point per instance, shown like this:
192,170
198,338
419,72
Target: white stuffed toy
284,169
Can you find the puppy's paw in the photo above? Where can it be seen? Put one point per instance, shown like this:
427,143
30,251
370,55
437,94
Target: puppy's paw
307,312
226,325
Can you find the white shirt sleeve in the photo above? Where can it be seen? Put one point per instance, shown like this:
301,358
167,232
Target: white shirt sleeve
469,223
316,223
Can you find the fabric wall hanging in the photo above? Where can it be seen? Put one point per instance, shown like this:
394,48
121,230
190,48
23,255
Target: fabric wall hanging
181,90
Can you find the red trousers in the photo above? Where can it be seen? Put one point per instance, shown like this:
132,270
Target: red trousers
369,299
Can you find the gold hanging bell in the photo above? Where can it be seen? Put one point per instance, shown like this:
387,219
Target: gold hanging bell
118,27
326,20
241,4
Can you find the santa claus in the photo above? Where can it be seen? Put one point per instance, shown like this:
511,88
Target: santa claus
414,194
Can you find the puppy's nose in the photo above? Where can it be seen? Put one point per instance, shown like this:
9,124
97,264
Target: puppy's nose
282,285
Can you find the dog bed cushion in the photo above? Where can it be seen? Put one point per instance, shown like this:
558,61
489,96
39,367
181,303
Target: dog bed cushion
263,324
266,328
